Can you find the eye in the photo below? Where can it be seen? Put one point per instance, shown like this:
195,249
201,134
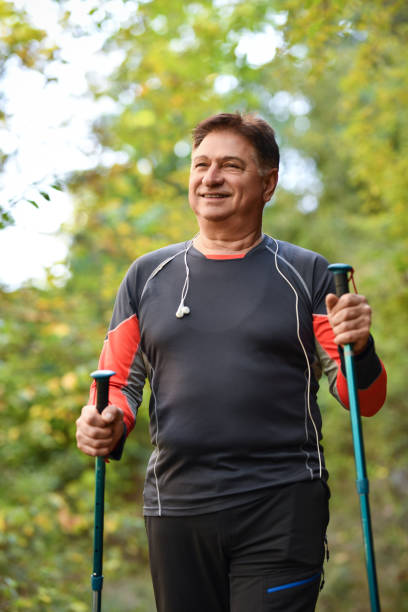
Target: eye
232,165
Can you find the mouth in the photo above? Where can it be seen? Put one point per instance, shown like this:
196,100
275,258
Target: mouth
214,196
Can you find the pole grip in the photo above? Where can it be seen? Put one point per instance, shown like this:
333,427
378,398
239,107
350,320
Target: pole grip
101,378
340,272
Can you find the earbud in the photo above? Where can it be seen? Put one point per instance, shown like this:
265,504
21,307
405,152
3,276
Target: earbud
182,310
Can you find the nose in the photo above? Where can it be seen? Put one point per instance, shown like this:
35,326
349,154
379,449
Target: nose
212,176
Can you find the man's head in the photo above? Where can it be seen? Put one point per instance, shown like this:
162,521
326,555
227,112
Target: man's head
257,131
234,170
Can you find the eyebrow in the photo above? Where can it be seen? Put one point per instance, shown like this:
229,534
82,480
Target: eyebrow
223,159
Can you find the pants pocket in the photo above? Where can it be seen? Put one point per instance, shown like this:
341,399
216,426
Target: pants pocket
296,594
309,520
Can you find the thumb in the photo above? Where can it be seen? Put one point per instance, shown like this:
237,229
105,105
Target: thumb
331,301
111,413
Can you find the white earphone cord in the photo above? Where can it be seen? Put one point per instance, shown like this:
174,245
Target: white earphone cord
183,309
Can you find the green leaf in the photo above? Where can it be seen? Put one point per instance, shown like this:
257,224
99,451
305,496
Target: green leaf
45,195
5,219
33,203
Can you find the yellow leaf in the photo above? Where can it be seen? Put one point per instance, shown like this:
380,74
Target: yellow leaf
53,384
58,329
69,381
28,530
144,118
13,433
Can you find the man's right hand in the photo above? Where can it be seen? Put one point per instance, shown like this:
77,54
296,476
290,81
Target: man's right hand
98,434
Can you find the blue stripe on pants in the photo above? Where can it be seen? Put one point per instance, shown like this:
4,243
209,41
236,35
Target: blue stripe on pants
293,584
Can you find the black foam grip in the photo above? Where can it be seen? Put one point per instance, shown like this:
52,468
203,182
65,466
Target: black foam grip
102,397
341,283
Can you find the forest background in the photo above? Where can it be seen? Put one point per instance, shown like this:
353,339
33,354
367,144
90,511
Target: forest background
336,91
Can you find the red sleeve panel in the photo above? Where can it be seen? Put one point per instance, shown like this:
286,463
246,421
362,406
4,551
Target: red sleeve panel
370,372
119,354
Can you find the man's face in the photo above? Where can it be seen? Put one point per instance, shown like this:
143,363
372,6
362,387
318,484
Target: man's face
225,180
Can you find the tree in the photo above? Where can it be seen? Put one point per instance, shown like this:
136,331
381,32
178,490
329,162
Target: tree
26,46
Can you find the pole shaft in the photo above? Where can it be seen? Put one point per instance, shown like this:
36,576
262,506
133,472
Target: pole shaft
96,601
340,272
362,480
99,515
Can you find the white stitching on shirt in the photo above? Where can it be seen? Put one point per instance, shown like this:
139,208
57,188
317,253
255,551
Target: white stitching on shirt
292,268
157,270
157,445
309,412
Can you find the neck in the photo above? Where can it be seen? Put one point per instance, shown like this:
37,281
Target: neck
217,243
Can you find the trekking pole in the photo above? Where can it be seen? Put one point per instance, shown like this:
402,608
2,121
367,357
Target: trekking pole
340,272
102,385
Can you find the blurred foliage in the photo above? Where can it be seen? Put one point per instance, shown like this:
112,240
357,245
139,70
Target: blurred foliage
26,46
336,92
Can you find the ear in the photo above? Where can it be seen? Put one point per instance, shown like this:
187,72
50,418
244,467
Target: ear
270,182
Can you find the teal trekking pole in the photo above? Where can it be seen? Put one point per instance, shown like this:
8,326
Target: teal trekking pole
102,399
340,272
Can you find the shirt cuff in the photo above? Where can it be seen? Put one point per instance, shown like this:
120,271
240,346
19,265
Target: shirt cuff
116,453
366,364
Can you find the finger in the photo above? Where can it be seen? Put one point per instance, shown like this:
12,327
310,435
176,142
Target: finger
357,338
347,300
94,452
353,312
112,414
351,335
99,433
90,415
357,315
351,299
331,301
346,323
96,445
100,436
351,321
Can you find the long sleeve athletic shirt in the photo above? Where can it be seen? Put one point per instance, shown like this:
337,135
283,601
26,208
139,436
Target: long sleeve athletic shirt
233,407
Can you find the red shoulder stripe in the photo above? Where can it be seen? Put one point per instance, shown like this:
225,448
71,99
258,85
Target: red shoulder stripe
118,353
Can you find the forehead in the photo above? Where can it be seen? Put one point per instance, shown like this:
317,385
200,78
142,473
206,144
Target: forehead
225,143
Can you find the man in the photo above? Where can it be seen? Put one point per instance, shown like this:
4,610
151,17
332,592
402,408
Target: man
232,329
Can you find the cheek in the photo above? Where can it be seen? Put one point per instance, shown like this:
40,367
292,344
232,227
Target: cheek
193,183
192,198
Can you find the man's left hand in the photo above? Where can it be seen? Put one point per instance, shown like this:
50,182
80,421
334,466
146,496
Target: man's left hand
350,318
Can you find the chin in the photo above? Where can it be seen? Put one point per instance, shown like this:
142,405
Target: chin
214,216
211,212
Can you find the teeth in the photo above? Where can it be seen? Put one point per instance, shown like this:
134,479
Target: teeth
214,195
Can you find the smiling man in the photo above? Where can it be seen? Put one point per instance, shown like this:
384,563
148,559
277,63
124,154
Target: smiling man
233,329
227,188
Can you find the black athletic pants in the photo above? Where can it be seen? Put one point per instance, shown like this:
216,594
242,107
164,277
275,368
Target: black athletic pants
263,556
